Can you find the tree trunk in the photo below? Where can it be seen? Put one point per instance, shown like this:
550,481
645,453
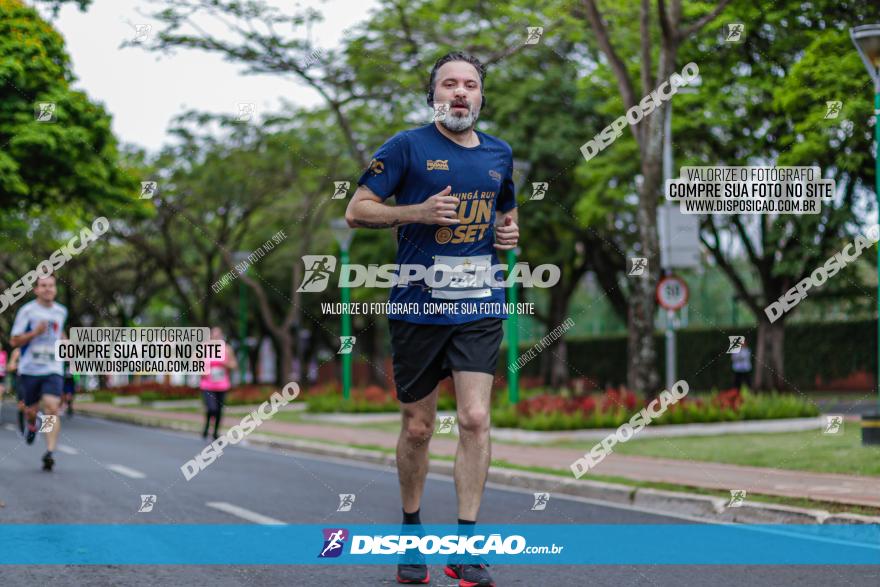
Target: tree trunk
284,374
554,360
642,373
769,364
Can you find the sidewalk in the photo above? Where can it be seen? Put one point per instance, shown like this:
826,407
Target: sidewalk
846,489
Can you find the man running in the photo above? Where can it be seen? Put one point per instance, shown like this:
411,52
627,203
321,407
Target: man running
38,324
454,200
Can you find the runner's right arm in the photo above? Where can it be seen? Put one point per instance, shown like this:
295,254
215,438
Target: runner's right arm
20,337
367,210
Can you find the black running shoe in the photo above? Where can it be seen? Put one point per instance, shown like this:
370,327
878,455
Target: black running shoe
411,568
413,574
31,433
48,461
470,575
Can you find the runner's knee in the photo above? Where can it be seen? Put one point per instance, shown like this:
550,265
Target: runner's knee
473,419
417,430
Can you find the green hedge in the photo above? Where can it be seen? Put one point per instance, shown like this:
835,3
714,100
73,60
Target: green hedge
827,350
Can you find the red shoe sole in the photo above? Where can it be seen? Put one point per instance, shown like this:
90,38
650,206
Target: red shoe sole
426,580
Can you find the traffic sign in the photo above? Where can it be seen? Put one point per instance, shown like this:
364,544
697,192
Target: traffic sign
672,292
679,238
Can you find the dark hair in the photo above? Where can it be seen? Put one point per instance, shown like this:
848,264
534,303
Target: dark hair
455,56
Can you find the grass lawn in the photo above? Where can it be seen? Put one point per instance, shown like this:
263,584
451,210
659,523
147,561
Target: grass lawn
804,451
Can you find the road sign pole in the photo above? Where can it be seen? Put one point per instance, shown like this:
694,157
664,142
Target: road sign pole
670,350
667,174
672,295
877,194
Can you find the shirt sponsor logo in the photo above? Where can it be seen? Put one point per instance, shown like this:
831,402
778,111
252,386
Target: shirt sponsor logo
494,175
438,164
474,214
376,167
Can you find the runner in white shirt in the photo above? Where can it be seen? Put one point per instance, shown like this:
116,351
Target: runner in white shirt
38,324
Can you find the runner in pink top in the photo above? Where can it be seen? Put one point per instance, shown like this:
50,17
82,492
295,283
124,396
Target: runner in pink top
217,377
215,383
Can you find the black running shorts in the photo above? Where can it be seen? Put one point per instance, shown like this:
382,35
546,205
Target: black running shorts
34,387
425,354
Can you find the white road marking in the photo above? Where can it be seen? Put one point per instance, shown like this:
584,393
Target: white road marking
68,450
244,514
10,427
125,471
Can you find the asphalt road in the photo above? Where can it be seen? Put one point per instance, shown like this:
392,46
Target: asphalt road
104,467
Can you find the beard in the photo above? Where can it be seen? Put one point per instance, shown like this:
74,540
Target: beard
456,122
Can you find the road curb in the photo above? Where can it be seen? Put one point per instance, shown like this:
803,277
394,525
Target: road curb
709,508
699,506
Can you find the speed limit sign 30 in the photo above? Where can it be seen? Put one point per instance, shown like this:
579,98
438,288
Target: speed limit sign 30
672,292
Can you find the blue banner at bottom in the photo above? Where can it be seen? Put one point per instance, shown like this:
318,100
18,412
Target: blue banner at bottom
616,544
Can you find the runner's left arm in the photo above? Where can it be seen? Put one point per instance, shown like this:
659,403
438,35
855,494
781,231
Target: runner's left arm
506,230
506,216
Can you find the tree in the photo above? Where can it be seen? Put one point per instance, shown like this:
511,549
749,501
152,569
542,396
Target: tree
765,104
557,229
673,32
222,194
57,146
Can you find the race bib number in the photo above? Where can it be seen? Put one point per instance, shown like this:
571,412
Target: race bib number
43,354
218,373
461,277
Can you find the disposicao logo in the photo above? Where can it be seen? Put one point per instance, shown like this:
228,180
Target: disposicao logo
334,542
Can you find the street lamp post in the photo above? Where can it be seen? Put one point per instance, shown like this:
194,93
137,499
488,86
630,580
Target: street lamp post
867,41
343,235
522,168
512,333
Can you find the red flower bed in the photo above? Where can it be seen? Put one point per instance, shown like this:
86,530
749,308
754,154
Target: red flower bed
730,399
622,398
251,393
610,401
374,394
